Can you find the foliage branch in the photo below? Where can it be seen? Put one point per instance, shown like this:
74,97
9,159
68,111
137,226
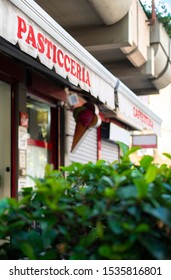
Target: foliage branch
100,210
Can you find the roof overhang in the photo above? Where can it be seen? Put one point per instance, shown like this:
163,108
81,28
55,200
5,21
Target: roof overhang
100,82
40,36
133,111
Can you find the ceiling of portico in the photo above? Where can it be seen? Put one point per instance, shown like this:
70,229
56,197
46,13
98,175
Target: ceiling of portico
106,41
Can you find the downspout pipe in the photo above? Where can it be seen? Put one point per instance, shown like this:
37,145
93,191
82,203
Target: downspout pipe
111,11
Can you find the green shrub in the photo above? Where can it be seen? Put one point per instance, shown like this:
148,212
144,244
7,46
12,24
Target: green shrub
162,14
99,211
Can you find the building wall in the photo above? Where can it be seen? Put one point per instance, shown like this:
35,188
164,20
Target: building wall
161,104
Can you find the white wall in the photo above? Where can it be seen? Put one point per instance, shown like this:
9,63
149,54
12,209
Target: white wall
161,104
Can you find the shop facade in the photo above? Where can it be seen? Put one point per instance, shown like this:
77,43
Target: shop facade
41,66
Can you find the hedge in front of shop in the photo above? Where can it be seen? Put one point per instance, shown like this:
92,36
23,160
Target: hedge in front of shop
98,211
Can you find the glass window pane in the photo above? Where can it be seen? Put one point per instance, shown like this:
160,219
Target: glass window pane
39,146
39,120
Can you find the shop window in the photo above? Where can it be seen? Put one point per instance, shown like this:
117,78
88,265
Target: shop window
39,121
39,142
105,127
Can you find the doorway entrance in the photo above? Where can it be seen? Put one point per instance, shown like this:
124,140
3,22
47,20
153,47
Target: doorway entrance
5,140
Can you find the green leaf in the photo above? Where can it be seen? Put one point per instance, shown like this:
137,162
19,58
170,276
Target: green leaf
48,169
127,192
115,226
146,161
82,210
105,251
151,173
28,250
106,180
142,228
162,213
123,246
167,155
48,236
109,192
156,247
132,150
100,229
89,238
126,151
6,204
124,148
141,186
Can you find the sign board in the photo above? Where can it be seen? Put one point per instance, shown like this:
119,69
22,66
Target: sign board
136,114
22,138
145,141
33,40
24,119
119,134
